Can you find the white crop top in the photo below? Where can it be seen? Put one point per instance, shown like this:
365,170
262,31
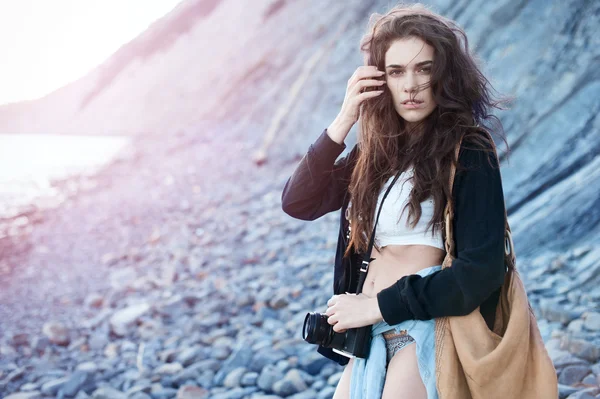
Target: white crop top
389,231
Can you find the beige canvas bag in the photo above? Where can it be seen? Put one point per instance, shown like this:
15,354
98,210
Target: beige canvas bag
510,362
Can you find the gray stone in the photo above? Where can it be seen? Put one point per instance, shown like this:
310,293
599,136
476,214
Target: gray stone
568,360
240,357
296,377
334,378
280,300
140,386
40,344
249,379
192,392
89,367
56,332
308,394
208,364
591,379
108,393
24,395
52,387
565,390
284,388
206,379
236,393
268,377
588,393
29,387
325,393
265,357
97,320
554,310
592,321
16,374
20,339
596,368
573,374
244,299
576,326
220,352
580,348
189,373
168,369
76,381
265,313
283,365
94,300
313,362
328,370
98,341
233,379
189,355
319,385
163,393
121,321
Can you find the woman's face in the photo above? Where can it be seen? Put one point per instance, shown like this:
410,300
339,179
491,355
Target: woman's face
408,69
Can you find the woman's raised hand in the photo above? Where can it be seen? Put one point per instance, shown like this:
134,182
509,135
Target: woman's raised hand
364,77
360,88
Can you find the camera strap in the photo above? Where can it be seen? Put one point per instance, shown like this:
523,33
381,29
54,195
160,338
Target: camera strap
364,267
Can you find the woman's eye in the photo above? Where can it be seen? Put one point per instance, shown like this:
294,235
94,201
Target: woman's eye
424,70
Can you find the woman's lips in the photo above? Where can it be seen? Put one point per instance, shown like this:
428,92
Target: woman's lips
411,105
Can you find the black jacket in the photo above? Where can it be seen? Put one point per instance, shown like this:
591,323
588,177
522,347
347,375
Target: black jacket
319,186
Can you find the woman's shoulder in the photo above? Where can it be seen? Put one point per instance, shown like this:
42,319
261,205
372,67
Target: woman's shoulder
478,172
478,150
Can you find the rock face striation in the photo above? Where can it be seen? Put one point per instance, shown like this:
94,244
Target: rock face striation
177,275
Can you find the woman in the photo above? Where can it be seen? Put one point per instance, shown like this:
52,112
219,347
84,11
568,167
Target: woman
419,93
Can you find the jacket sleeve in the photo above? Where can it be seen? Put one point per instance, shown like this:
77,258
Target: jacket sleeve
317,186
478,269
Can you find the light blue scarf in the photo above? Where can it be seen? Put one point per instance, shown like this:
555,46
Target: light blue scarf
368,375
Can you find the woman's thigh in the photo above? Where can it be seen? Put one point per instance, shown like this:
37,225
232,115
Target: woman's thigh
402,379
342,391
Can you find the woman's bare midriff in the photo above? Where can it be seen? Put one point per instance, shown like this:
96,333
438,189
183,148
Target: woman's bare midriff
395,261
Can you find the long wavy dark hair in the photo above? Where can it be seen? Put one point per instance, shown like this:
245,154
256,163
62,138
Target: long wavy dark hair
387,145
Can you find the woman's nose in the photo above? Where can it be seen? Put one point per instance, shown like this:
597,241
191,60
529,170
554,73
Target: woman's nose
409,83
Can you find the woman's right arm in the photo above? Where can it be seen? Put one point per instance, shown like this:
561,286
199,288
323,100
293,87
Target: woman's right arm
318,185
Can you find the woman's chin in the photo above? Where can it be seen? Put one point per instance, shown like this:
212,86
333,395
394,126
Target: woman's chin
414,117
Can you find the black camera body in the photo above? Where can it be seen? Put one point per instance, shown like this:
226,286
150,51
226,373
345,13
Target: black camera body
354,342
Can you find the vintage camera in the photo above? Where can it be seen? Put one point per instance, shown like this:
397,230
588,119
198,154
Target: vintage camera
354,342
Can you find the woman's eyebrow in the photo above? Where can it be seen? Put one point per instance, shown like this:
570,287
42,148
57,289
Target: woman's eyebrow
418,64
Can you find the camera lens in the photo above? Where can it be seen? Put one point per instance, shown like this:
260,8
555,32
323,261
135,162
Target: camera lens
316,330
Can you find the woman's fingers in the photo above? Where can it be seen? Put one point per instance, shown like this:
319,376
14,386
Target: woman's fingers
332,320
363,72
361,85
337,328
359,89
332,300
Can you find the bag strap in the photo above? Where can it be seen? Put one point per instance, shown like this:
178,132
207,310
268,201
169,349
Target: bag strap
509,252
364,267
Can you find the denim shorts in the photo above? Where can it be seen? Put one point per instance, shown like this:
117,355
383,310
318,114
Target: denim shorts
421,333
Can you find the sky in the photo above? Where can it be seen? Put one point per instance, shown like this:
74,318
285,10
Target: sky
46,44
